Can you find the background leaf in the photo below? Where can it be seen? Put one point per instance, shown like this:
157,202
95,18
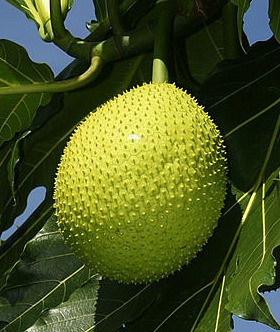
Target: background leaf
241,105
242,7
203,57
17,111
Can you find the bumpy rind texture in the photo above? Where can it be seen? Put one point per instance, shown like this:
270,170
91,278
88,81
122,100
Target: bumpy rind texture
141,184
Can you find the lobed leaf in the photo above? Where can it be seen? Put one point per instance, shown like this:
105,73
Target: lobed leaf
75,314
241,105
40,281
253,263
17,111
203,57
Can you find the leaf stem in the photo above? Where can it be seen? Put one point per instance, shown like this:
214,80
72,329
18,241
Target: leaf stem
166,15
59,86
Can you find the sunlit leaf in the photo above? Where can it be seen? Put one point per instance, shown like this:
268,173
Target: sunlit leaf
39,12
17,111
216,317
75,314
253,263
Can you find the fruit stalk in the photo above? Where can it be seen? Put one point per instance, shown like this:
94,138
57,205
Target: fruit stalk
166,14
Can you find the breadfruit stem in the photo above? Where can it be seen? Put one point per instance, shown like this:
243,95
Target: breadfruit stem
59,86
166,15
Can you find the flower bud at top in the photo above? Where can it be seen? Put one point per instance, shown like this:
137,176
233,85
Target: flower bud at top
44,23
39,12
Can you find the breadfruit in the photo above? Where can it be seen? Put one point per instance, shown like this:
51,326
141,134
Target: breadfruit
141,184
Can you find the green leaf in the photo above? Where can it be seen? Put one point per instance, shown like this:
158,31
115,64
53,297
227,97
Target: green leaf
274,15
38,11
11,249
17,3
253,263
216,317
40,282
242,104
75,314
243,6
14,159
17,111
6,153
203,56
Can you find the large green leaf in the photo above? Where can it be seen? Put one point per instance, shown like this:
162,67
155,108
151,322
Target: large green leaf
205,55
78,312
17,111
253,263
274,15
252,266
242,104
40,282
242,7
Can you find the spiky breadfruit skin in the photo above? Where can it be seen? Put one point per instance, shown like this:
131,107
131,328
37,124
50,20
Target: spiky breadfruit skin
141,184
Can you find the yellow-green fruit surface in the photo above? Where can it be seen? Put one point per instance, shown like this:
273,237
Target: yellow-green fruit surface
141,184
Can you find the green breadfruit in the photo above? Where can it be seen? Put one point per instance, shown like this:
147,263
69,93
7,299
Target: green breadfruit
141,184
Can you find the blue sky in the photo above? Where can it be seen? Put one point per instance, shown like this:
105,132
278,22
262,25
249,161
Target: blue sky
16,27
